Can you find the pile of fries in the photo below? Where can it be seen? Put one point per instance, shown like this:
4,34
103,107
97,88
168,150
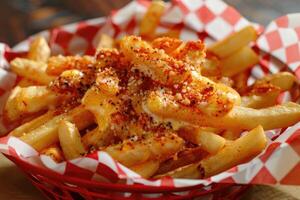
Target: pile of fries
158,105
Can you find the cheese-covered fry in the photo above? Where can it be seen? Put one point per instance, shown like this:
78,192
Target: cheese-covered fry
39,50
154,63
32,70
238,118
58,64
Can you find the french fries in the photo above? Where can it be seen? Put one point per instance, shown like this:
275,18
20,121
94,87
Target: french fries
238,118
208,141
28,100
57,64
32,70
151,19
105,42
158,105
47,134
239,151
242,60
146,169
283,80
54,152
233,43
70,140
31,125
39,50
182,158
160,147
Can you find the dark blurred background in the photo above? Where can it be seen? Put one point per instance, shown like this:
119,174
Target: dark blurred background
20,18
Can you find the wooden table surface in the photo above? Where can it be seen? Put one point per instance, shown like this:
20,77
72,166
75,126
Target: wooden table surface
14,185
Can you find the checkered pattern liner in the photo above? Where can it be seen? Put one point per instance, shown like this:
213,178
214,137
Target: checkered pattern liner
208,20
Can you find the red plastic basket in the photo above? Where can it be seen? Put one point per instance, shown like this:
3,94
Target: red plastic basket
58,187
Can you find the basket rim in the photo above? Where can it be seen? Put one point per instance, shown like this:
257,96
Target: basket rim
32,169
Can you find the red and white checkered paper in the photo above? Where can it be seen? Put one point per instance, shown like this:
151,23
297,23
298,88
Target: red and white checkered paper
208,20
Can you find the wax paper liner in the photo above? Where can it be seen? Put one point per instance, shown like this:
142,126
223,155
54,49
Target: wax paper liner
212,20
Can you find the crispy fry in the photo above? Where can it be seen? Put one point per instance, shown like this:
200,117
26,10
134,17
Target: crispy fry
146,169
153,62
39,50
166,43
47,134
158,147
70,140
239,151
185,157
238,118
241,60
283,80
31,70
58,64
151,19
31,125
105,41
231,134
234,42
208,141
27,100
261,101
54,152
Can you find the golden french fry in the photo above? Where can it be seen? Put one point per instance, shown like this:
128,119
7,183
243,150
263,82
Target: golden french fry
97,138
58,64
154,63
146,169
54,152
151,19
105,41
185,157
208,141
32,70
238,118
28,100
237,152
26,82
158,147
47,134
283,80
70,140
39,50
241,60
234,42
260,101
31,125
231,134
